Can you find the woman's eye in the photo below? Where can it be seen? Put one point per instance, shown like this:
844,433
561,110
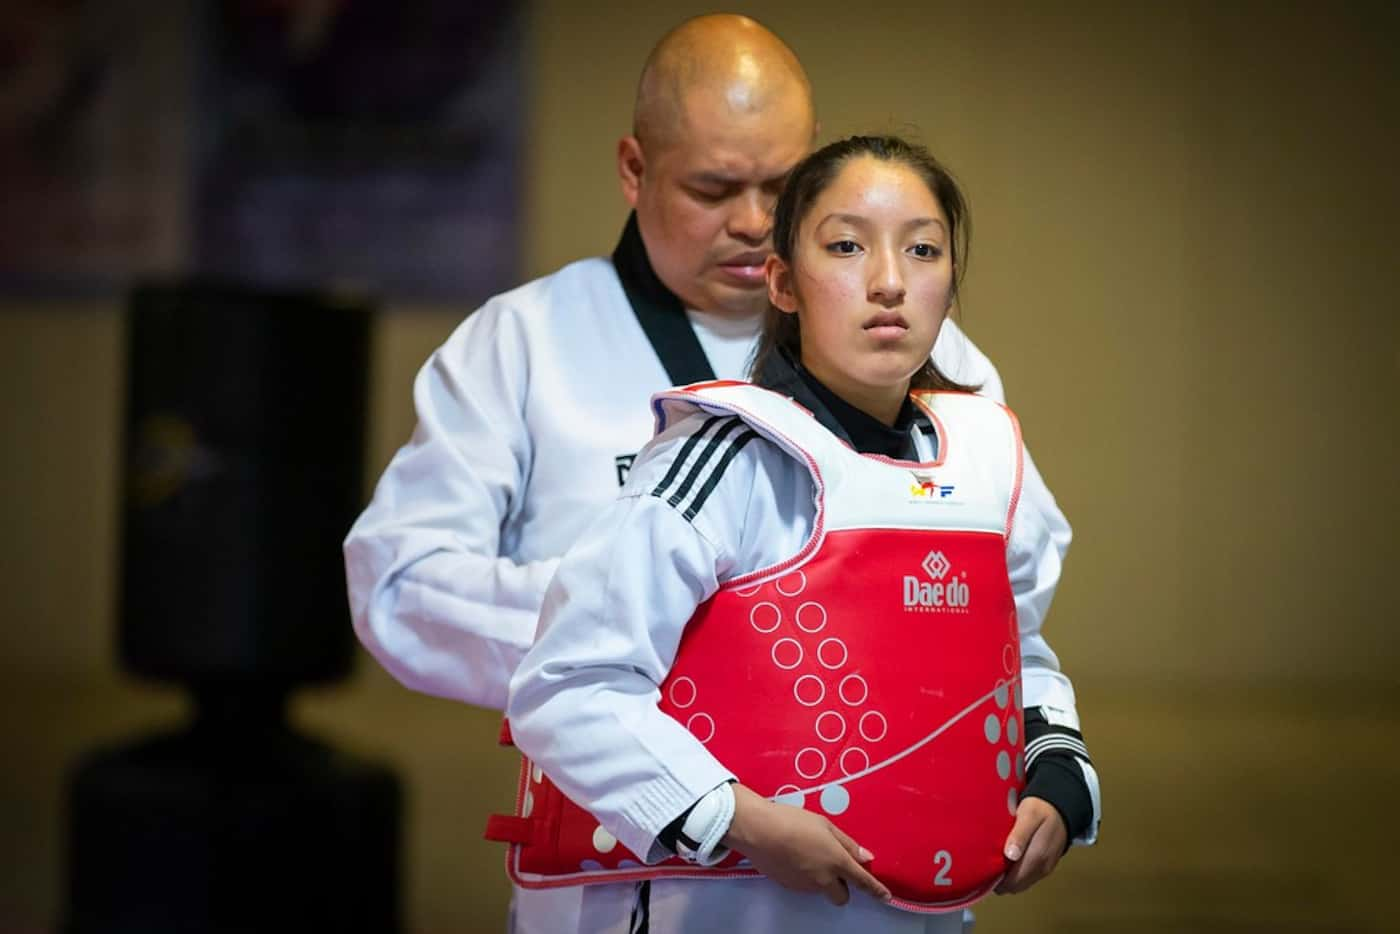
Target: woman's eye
926,251
843,247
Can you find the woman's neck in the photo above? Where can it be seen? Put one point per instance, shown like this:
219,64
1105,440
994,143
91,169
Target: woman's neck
882,403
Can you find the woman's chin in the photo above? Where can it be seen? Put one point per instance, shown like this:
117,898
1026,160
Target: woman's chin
894,373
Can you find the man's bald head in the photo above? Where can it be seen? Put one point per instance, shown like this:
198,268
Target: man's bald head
724,111
732,62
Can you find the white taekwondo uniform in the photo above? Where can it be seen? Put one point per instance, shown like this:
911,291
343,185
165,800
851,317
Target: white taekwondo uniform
529,416
584,702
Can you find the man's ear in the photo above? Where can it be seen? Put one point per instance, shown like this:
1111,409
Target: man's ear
780,286
630,165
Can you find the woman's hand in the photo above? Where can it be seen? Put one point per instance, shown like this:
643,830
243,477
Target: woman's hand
798,849
1034,846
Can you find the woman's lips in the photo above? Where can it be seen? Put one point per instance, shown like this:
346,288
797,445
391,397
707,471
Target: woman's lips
886,325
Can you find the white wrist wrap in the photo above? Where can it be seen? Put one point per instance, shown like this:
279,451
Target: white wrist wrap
705,826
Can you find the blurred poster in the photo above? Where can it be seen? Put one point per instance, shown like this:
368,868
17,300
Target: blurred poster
94,142
371,143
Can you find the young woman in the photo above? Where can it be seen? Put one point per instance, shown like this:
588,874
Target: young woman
819,591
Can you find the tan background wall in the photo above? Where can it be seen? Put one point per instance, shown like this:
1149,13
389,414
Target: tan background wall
1183,263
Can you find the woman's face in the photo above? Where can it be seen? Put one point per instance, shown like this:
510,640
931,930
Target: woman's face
871,280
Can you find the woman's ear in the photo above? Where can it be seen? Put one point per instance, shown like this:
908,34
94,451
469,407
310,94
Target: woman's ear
780,286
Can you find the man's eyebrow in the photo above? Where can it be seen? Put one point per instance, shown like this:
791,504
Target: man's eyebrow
713,178
721,178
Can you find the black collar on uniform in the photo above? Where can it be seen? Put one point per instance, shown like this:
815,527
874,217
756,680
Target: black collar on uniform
659,311
866,434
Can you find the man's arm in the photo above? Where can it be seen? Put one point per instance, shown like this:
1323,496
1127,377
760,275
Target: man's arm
959,358
1060,804
430,595
1059,769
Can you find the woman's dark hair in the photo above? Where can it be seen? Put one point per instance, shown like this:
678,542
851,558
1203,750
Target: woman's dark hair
808,180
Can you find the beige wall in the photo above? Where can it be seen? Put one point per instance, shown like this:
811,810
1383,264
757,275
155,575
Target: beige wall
1182,263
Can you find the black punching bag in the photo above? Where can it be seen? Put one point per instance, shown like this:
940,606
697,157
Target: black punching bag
245,428
244,450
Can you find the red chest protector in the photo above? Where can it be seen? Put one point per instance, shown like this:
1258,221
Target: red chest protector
874,677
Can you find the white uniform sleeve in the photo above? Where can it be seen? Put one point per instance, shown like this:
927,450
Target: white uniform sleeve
1040,540
583,703
431,597
960,359
1033,564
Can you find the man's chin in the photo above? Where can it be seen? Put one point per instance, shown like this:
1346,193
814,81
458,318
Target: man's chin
736,302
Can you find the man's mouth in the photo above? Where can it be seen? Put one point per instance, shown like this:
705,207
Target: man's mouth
746,268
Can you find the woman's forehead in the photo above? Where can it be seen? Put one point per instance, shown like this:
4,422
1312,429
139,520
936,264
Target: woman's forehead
878,190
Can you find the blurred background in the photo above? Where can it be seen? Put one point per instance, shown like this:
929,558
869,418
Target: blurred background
1183,263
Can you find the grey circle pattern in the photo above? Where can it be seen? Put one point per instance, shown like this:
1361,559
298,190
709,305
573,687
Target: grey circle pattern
835,799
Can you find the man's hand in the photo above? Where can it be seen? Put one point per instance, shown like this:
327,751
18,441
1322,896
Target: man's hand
1034,846
798,849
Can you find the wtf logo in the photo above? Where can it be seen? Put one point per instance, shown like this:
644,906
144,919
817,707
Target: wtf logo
925,486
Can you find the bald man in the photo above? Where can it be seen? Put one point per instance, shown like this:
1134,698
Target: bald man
531,412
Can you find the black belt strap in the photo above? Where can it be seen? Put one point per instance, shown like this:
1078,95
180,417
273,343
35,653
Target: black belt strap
641,910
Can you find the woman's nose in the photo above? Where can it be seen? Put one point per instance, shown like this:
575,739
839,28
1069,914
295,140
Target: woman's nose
886,286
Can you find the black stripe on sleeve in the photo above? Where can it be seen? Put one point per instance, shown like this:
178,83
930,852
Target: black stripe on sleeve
713,480
675,498
1045,738
686,448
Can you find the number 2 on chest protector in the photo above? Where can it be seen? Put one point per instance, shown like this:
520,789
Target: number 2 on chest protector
944,861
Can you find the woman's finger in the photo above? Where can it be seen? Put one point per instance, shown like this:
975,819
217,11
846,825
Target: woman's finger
859,853
836,891
1027,823
855,872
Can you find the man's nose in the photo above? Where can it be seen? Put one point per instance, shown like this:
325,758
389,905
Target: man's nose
886,285
751,218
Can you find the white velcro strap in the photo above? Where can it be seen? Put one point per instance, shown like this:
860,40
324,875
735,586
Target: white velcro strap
706,825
